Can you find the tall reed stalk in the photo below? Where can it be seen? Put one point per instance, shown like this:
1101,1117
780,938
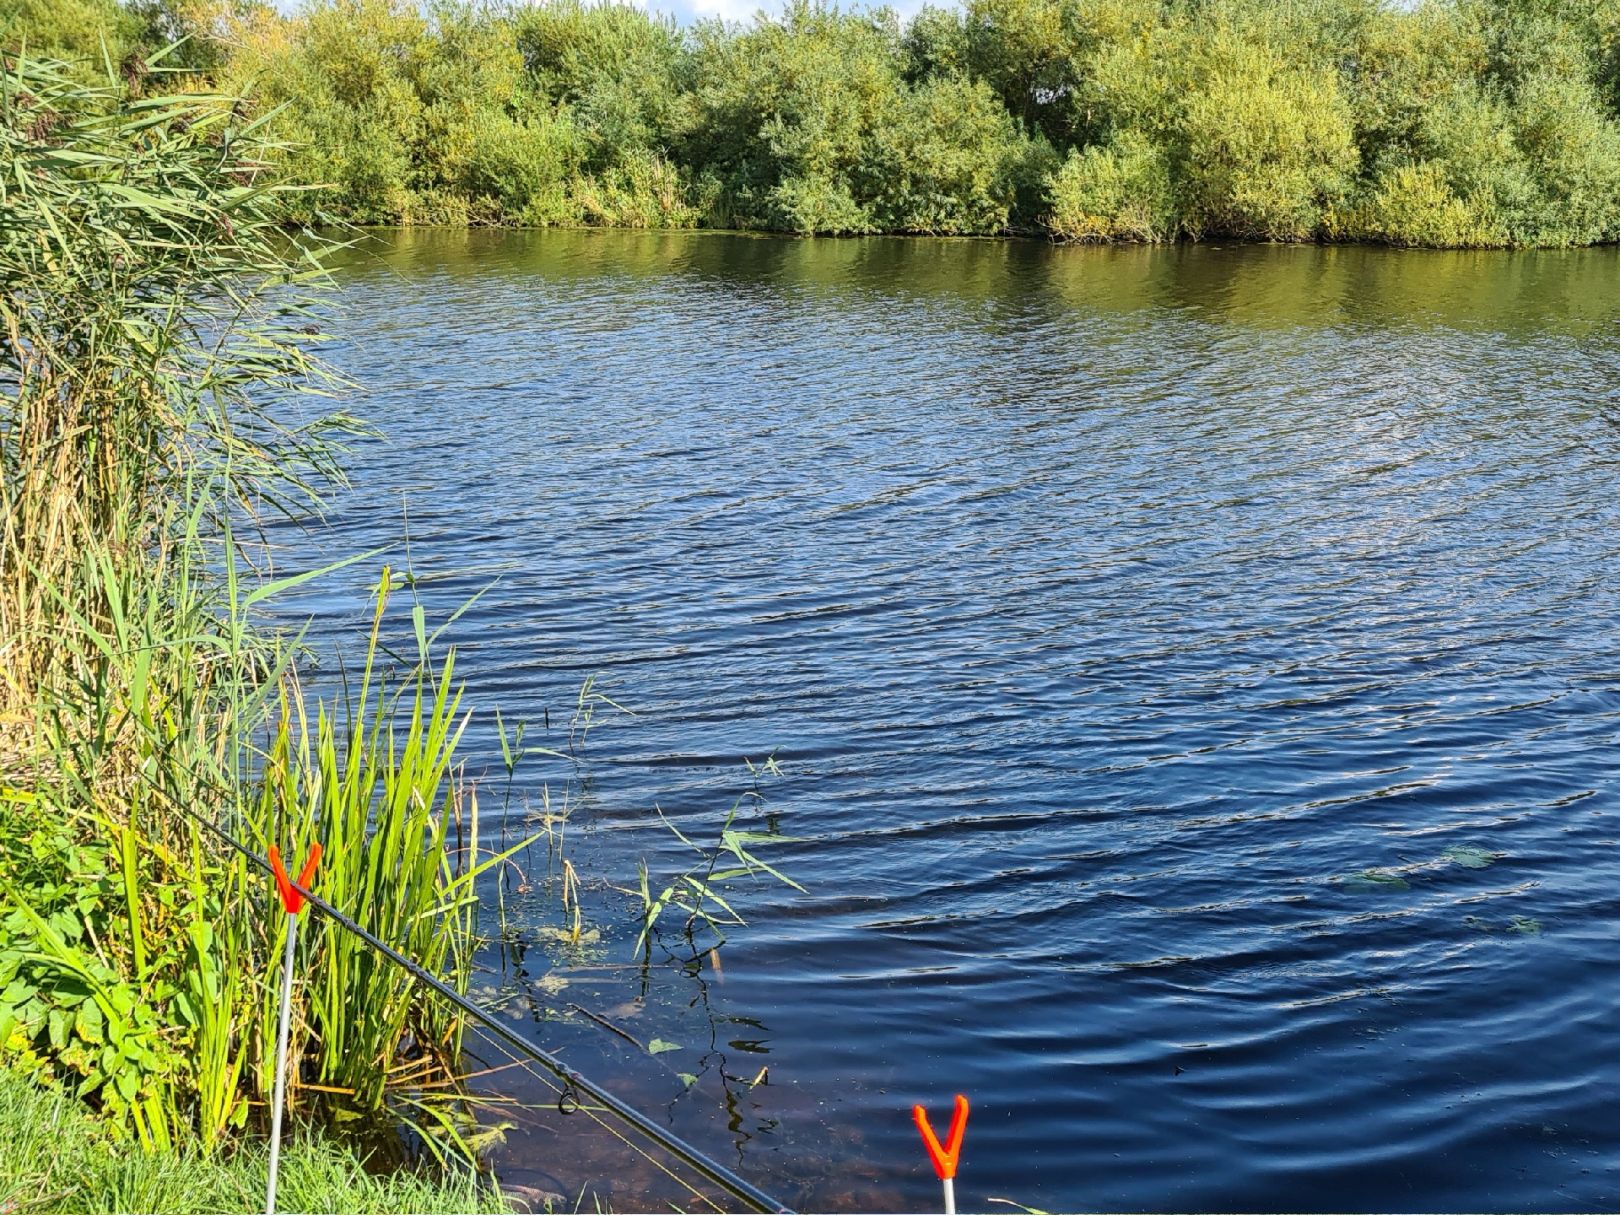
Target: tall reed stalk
154,311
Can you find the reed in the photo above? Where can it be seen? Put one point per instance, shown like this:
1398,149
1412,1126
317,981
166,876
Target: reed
152,350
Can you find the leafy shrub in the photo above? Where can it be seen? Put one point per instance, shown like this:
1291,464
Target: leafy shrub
70,29
524,166
1024,50
1469,134
935,44
1119,192
1451,121
1263,147
945,160
1573,151
614,65
1414,205
644,191
784,114
816,202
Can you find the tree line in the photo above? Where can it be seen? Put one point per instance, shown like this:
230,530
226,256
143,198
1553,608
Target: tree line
1448,123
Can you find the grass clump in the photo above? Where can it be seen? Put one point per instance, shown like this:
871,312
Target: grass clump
57,1160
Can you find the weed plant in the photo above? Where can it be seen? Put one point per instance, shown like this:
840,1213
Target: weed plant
153,305
700,889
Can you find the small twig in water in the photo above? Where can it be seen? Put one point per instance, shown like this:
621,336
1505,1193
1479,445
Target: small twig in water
608,1025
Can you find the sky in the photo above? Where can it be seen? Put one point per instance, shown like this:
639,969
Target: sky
687,11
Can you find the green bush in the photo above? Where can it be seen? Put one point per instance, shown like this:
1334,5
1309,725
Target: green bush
1573,152
523,166
1469,134
1452,121
1025,51
614,65
1264,147
1414,205
643,191
946,160
154,319
70,29
784,115
1120,192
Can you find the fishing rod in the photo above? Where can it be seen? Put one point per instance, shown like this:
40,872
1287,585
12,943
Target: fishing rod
715,1172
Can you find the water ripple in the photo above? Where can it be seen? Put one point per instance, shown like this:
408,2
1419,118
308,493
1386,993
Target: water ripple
1197,674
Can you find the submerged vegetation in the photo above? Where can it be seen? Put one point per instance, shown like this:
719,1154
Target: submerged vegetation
1443,123
154,304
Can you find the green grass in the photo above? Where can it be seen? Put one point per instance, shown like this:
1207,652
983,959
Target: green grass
54,1158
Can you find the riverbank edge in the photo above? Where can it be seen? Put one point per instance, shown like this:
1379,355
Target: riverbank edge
1032,237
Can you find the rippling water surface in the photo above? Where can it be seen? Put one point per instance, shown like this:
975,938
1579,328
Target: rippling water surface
1195,672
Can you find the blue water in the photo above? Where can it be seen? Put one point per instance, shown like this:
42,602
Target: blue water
1195,675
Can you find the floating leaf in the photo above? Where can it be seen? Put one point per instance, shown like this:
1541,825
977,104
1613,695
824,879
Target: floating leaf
658,1046
547,932
686,1078
1376,881
1470,858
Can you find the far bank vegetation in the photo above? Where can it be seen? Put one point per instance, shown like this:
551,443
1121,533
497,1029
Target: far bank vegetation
1457,123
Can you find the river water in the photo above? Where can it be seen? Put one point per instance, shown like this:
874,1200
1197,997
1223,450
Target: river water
1195,677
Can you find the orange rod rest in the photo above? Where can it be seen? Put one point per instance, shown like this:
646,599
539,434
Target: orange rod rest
944,1158
291,900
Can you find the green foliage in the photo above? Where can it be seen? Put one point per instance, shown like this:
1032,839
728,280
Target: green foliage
701,888
70,29
1572,151
153,302
522,167
1479,170
614,66
643,191
1456,122
1257,146
374,783
935,44
1118,192
55,1160
1264,147
787,112
810,125
65,1013
1413,205
948,160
